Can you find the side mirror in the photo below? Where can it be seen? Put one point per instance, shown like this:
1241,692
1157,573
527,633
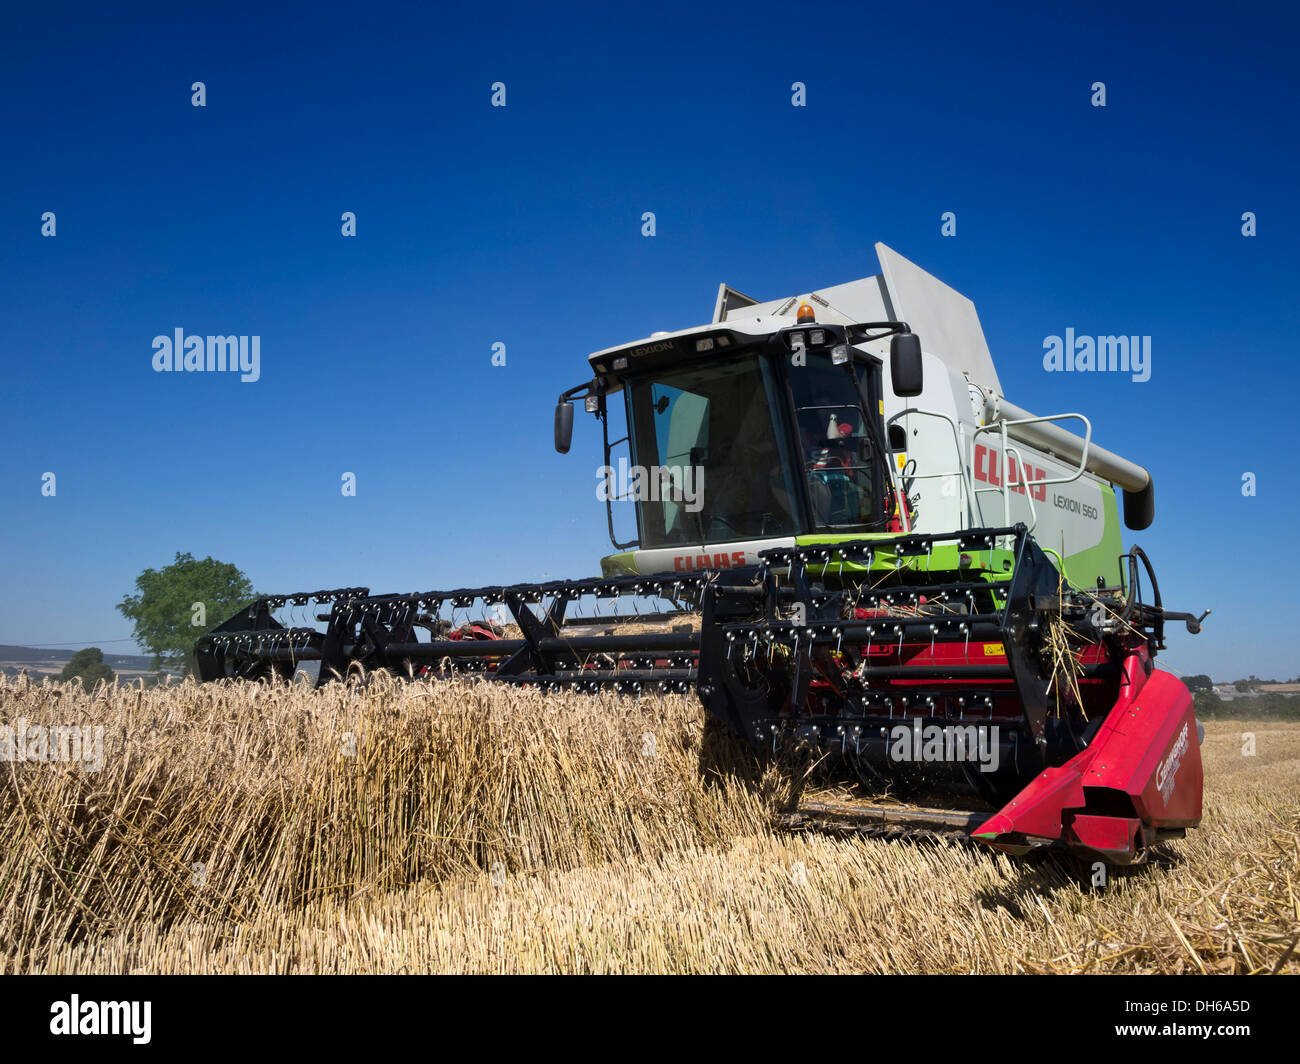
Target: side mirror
563,426
905,364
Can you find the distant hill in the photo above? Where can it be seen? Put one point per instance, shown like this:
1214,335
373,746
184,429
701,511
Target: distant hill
40,661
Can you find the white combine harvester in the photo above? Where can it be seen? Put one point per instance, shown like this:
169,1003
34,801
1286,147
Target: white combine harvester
888,558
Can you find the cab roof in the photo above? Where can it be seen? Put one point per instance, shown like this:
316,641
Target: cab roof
944,319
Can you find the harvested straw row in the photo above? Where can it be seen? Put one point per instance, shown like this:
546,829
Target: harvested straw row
765,904
479,828
225,801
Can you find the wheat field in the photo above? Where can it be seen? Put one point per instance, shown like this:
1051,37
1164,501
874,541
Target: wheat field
468,827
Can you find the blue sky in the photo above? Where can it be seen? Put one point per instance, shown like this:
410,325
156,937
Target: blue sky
522,225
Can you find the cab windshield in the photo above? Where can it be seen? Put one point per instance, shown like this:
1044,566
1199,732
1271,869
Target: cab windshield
712,464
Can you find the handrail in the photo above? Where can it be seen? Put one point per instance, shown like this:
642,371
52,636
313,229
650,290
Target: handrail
962,472
1001,427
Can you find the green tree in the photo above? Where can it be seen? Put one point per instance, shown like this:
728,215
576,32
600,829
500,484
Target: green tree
1199,682
1209,706
177,604
88,667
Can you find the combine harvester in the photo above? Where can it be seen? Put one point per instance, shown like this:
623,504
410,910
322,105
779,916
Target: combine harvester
872,550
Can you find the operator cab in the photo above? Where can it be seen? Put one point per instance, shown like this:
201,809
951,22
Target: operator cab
739,436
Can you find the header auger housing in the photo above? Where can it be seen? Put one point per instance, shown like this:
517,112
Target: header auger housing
847,540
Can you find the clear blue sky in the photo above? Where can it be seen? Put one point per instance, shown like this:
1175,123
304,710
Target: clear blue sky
522,225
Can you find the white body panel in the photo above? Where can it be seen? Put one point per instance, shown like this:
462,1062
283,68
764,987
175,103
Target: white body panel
960,470
942,317
688,559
